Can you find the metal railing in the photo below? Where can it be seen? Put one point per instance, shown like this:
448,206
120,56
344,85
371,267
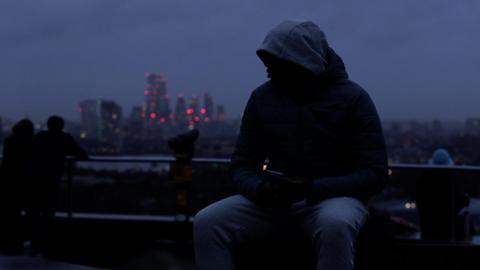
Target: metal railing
400,174
70,165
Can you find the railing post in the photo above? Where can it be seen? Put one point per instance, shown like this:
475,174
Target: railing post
436,205
70,162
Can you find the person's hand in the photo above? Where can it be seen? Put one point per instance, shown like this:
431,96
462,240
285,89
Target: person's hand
298,187
281,191
272,191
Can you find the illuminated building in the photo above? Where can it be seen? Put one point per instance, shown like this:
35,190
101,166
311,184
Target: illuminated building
110,122
220,114
180,116
134,125
208,109
156,107
136,114
89,114
193,112
101,121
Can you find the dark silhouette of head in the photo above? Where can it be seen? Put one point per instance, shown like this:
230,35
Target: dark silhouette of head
441,157
55,123
279,69
23,128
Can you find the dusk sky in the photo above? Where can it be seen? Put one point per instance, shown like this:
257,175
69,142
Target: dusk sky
417,59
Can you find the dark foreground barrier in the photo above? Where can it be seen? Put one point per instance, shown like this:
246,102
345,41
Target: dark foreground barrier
112,217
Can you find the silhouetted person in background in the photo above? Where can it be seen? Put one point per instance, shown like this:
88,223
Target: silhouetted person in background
441,203
441,157
50,149
17,153
323,139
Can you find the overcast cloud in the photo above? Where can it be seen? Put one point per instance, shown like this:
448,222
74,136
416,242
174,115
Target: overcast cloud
417,59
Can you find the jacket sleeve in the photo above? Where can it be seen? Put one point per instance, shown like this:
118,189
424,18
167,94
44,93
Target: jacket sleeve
368,157
8,153
249,154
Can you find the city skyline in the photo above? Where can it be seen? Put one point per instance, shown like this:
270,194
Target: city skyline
152,91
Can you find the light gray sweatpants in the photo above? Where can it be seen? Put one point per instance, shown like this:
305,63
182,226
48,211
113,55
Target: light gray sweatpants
332,225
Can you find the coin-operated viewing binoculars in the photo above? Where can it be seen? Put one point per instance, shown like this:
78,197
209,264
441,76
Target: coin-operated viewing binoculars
183,146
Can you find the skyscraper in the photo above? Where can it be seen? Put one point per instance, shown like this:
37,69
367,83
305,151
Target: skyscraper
101,121
156,107
136,114
110,122
220,114
193,111
89,114
181,118
208,109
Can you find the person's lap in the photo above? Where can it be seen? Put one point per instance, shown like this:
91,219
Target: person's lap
244,215
238,221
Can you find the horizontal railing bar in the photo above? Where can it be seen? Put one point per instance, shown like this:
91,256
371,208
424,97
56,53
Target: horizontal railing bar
436,167
167,159
121,217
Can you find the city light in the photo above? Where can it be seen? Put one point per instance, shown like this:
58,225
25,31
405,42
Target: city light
106,129
410,205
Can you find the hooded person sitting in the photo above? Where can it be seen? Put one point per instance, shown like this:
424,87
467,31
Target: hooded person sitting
323,141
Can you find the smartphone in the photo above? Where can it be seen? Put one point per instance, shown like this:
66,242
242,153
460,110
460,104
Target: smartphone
276,173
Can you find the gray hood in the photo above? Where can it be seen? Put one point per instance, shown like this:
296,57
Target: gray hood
302,43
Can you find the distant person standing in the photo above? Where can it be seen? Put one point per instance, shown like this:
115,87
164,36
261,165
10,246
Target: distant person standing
50,149
17,153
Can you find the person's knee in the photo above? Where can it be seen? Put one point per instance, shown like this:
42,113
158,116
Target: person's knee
339,228
215,214
207,217
337,234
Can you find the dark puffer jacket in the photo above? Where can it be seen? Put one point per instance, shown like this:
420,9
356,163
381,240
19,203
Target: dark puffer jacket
329,131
